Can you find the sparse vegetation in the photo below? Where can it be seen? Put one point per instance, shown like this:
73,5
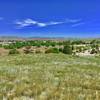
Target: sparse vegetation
75,47
38,51
27,50
60,74
13,51
49,77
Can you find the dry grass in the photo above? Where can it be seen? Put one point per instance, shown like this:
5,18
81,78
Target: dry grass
49,77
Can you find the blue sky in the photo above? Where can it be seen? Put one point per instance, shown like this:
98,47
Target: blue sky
50,18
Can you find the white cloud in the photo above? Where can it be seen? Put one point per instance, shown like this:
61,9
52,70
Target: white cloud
30,22
49,23
41,24
78,24
73,20
25,23
56,23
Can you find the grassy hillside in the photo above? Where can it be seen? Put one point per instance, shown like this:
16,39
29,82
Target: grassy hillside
49,77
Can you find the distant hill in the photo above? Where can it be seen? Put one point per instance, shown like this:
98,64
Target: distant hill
10,38
7,38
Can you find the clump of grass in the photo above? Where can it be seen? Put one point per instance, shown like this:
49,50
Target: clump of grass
13,51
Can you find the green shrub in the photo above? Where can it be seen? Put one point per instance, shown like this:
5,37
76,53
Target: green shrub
60,49
10,46
67,49
93,51
55,50
13,51
52,50
48,51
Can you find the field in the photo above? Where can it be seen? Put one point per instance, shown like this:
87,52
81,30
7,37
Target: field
49,77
